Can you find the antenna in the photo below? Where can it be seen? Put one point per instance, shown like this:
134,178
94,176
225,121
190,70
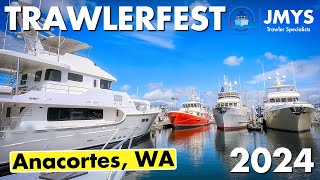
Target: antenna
264,79
240,87
219,85
137,93
37,38
59,36
293,74
258,93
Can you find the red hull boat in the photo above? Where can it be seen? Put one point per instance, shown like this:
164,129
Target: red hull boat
181,119
192,114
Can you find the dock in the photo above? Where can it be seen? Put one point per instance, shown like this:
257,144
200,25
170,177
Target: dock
162,125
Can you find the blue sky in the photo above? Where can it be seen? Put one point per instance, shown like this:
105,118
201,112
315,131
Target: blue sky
171,63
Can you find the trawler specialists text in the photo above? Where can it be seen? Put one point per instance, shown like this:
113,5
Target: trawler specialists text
288,29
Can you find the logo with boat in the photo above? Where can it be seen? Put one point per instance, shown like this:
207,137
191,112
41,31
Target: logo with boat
241,19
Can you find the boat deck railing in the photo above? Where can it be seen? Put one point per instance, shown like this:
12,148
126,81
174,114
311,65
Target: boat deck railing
27,46
228,94
46,87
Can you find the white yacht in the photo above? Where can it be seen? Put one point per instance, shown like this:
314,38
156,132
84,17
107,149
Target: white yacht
316,116
229,114
52,98
283,110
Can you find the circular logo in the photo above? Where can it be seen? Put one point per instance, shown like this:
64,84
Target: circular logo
241,19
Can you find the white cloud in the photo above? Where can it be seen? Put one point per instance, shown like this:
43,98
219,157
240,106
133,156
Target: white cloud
159,94
165,94
77,4
233,61
182,93
199,3
304,70
155,85
164,41
306,73
125,87
271,56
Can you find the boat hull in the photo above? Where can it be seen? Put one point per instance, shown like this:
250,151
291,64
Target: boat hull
283,118
73,138
185,120
230,118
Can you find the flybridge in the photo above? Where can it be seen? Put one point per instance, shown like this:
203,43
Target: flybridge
130,18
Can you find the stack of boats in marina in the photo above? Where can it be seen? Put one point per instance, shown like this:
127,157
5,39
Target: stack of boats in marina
192,114
53,99
283,109
229,113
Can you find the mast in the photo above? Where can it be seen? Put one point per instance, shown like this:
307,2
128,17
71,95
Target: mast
294,77
17,74
240,87
137,92
59,36
264,79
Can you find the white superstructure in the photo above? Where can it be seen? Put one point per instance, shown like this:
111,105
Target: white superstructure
283,109
229,113
53,99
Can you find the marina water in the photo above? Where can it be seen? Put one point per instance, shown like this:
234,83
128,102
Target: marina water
204,153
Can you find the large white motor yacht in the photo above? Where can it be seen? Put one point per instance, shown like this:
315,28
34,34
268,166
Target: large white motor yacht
229,114
283,110
52,98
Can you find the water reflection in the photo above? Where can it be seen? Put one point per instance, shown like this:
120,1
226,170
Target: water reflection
145,143
225,142
204,153
193,140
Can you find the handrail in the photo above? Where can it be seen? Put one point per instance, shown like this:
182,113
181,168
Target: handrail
68,89
63,85
119,146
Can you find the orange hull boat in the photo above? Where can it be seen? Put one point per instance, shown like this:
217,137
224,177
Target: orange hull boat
185,120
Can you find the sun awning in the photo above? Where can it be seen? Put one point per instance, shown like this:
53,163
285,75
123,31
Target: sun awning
67,45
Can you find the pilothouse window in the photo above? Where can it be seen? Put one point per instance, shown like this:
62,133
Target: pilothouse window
37,76
95,83
8,114
53,75
75,77
24,79
104,84
65,114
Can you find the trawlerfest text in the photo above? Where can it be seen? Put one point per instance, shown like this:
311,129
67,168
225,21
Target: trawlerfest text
142,18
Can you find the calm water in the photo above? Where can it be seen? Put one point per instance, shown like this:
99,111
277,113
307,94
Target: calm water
204,153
